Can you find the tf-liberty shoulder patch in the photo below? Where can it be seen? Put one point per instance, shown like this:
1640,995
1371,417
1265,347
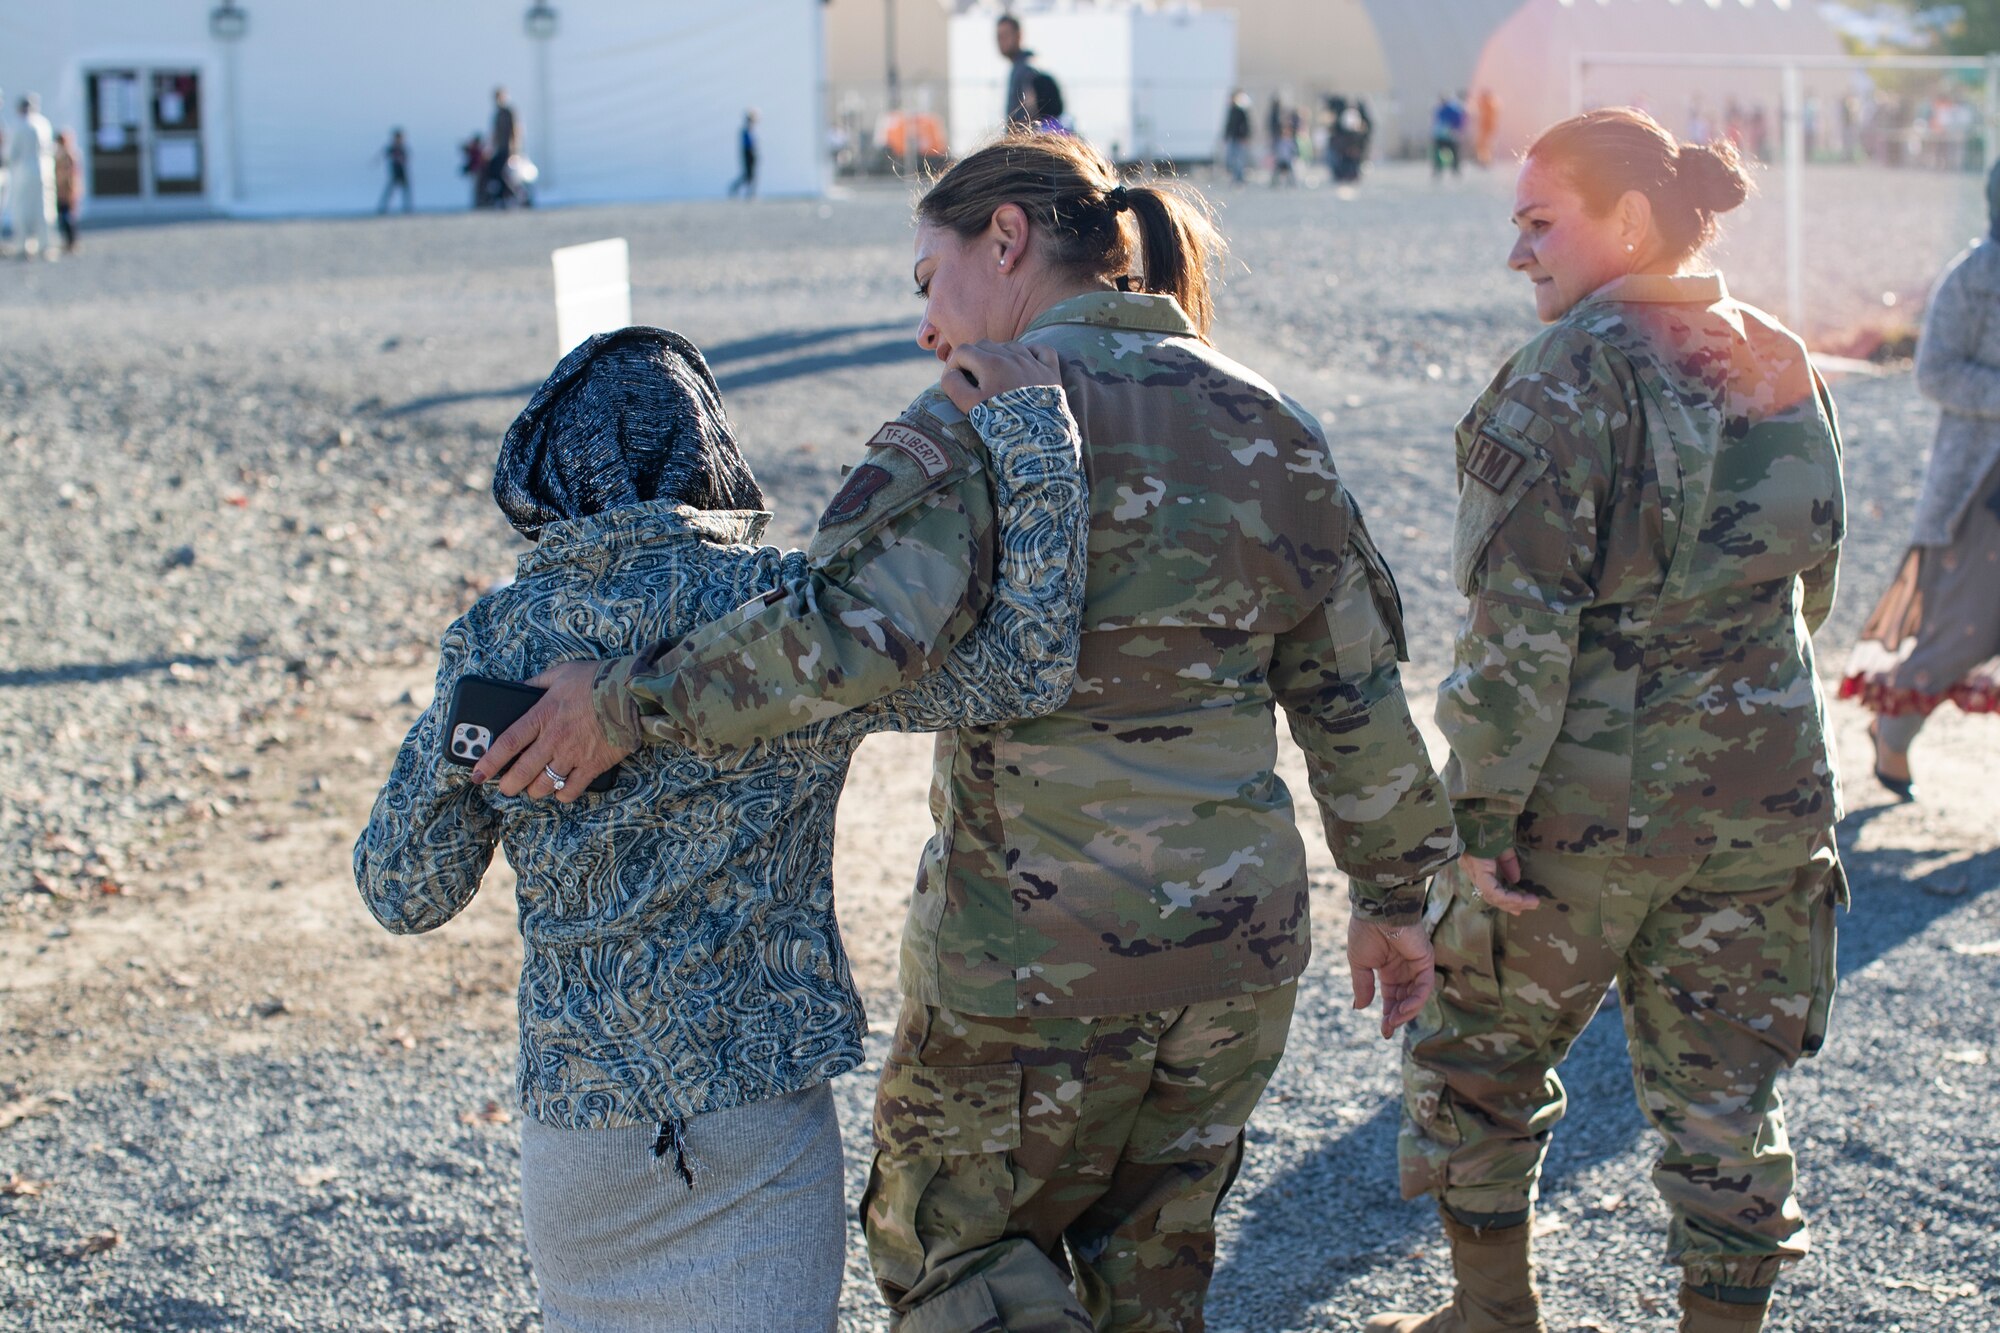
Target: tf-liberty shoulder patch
921,448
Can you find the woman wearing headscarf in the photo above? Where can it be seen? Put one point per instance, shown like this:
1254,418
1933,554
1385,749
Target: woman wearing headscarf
1108,929
1935,635
684,996
1649,519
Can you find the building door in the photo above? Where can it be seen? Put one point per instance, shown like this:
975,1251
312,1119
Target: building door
145,134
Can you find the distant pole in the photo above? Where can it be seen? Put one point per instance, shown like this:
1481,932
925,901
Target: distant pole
1992,109
1795,211
893,77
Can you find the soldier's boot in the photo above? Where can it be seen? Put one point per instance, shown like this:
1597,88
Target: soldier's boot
1494,1290
1703,1313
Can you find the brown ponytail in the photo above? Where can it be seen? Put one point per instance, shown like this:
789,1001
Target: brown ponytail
1607,152
1074,197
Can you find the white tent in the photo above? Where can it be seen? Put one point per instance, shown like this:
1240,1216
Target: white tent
281,106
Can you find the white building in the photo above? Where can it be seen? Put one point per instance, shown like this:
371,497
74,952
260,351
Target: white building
284,106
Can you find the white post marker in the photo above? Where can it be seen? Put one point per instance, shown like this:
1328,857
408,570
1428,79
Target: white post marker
593,290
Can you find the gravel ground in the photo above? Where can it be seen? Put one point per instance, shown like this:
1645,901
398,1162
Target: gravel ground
258,455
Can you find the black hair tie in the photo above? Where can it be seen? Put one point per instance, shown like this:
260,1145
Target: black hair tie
1117,199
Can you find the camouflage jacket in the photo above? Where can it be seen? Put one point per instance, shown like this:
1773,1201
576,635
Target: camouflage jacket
680,948
1135,849
1649,520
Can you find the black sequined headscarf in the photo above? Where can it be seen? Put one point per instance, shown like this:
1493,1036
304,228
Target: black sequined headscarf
627,417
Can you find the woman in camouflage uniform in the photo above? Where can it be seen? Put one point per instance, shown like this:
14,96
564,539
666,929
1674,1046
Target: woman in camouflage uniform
1649,516
1106,934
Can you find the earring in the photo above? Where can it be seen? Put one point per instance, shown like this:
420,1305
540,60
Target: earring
1629,247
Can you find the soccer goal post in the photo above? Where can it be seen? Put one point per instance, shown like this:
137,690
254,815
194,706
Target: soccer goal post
1829,110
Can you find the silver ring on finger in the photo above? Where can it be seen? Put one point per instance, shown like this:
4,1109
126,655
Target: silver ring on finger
548,771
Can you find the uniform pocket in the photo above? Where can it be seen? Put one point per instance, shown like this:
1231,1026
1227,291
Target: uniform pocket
1830,897
942,1181
948,1111
1462,935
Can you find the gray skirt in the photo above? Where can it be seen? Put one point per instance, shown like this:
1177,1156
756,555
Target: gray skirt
756,1244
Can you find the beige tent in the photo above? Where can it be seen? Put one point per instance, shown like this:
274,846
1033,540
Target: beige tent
1530,61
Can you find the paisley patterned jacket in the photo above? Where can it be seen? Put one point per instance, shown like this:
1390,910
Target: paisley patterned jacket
680,949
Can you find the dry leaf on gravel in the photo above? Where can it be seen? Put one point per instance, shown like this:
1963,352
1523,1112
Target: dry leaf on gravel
1983,949
34,1104
493,1113
1970,1055
313,1177
18,1186
1937,1291
97,1242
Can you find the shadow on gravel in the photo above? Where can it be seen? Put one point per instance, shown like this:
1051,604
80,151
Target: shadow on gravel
791,340
70,673
1345,1193
425,404
884,352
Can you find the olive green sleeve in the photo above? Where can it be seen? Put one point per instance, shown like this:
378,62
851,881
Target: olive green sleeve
1337,675
1534,474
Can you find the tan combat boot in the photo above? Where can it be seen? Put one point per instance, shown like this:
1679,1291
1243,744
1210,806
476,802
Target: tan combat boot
1495,1288
1703,1314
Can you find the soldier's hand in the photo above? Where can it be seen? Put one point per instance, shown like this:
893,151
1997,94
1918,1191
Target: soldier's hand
1398,961
977,371
560,735
1494,878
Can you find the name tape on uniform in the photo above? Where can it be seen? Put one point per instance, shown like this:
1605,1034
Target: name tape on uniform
921,449
1494,463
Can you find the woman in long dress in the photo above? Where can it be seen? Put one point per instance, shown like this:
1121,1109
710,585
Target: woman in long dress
1935,635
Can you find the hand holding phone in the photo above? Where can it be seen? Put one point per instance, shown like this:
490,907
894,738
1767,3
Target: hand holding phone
481,709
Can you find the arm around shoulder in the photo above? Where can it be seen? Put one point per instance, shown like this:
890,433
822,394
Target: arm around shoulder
900,570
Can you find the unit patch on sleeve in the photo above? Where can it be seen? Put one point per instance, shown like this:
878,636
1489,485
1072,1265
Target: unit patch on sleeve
1494,463
863,484
921,448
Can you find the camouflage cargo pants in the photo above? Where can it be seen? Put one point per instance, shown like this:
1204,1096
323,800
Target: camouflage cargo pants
1014,1155
1725,966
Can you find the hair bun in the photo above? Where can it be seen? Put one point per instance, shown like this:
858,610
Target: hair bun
1713,176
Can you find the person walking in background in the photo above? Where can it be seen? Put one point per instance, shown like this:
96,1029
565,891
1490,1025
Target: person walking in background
1347,142
472,165
505,142
1447,134
1649,523
1285,149
1103,951
746,153
1018,109
397,156
32,160
684,994
6,177
1935,635
69,188
1485,125
1236,134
